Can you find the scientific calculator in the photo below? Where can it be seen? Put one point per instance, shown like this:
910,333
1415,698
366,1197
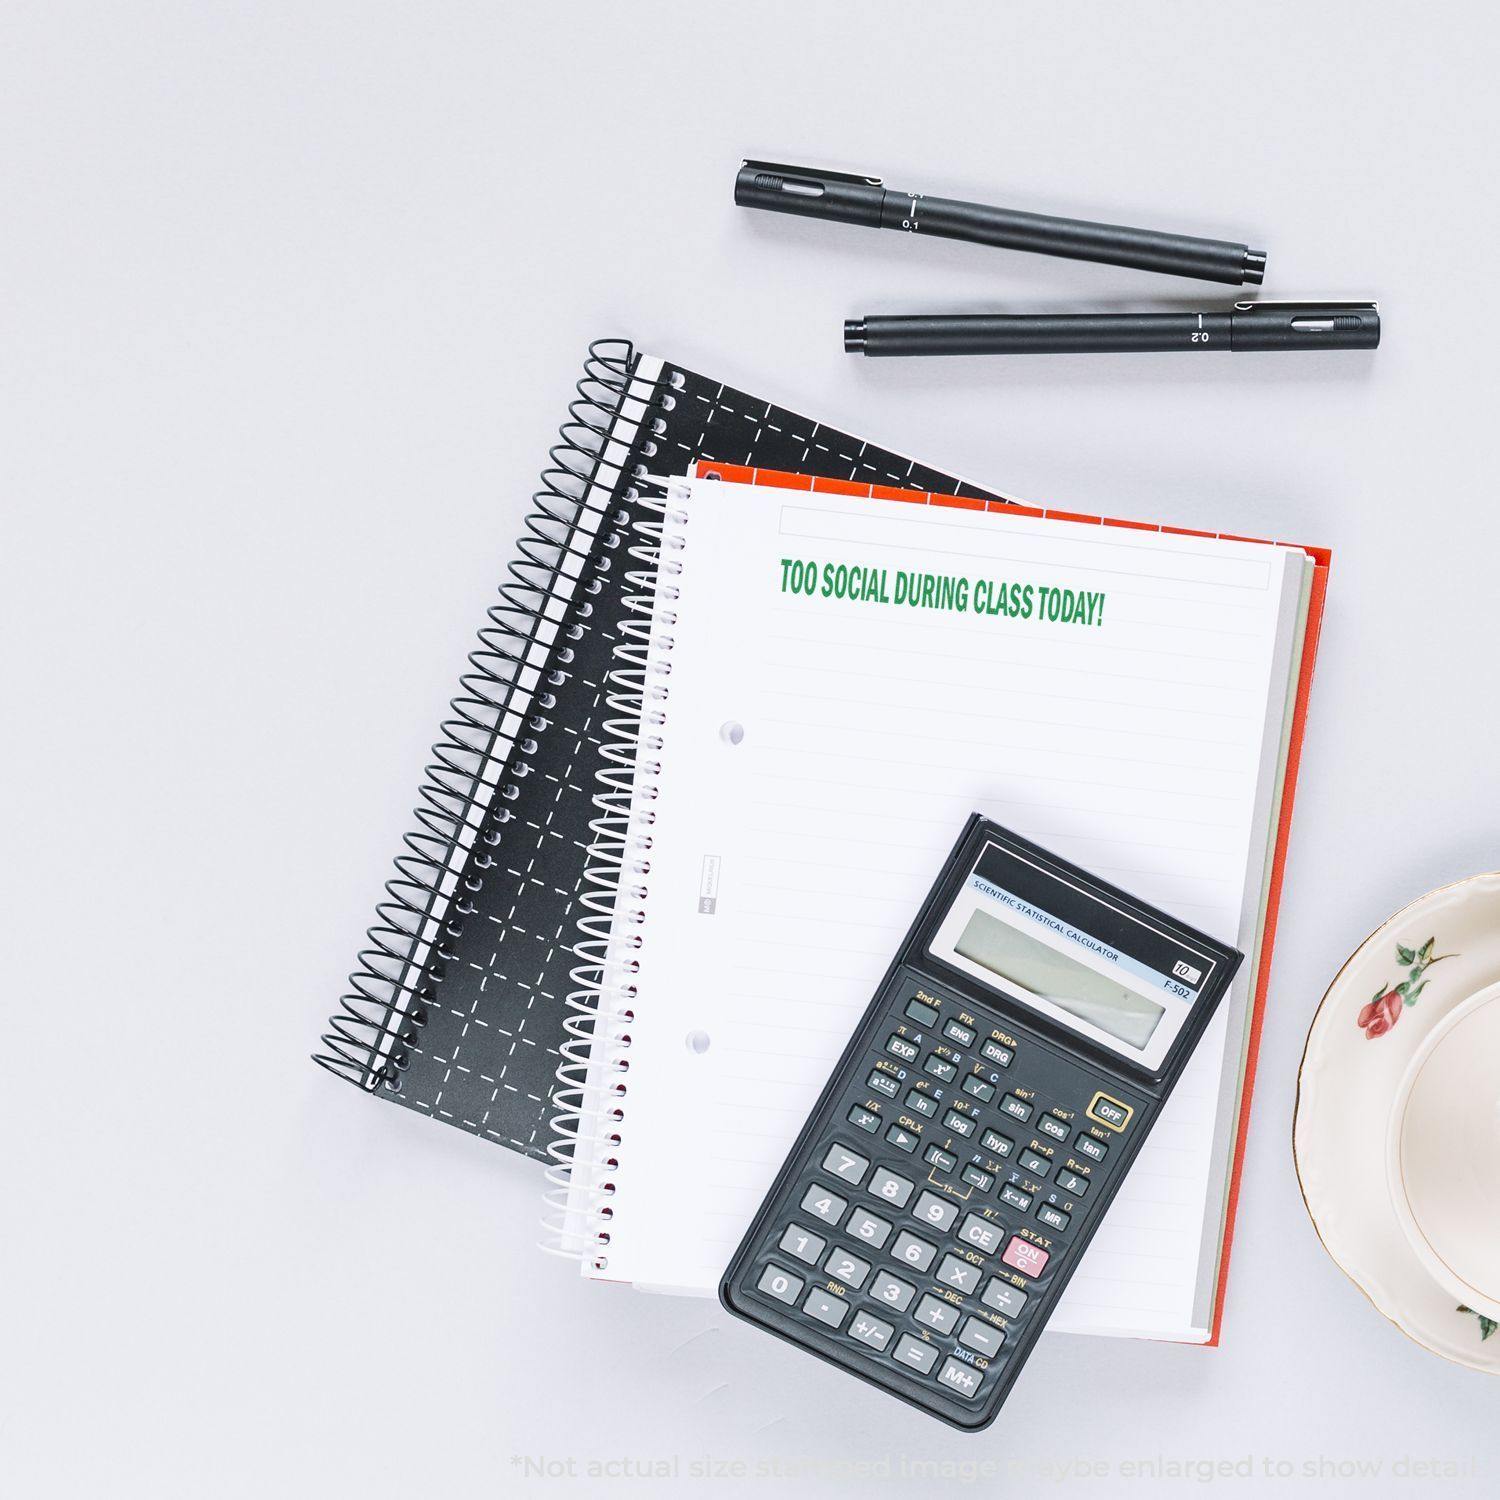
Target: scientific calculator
982,1117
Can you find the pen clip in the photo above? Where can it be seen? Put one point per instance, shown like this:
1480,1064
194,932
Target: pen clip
809,176
1311,306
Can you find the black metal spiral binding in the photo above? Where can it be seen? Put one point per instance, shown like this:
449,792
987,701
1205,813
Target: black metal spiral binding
433,893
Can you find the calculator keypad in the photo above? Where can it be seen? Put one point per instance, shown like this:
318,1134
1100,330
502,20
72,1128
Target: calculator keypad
923,1230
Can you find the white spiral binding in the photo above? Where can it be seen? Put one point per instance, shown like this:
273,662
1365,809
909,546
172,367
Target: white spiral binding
592,1088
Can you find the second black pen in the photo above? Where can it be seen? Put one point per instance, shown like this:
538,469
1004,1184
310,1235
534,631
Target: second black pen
1245,326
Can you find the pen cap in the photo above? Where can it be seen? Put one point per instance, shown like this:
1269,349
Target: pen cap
1304,325
814,194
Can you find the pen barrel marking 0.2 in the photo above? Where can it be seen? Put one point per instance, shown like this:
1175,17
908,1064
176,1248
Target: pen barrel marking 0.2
1059,333
1247,326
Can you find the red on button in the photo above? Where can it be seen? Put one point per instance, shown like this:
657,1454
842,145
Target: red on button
1028,1259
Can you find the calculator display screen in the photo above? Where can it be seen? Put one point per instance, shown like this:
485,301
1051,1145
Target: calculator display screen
1093,997
1059,944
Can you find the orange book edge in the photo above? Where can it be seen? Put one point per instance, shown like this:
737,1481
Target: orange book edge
1322,560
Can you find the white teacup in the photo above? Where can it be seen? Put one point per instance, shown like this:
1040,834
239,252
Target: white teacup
1443,1152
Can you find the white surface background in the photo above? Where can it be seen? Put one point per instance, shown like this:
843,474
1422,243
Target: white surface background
292,299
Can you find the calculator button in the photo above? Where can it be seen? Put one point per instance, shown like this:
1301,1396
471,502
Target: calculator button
982,1337
1029,1259
893,1189
944,1161
1003,1297
1087,1146
803,1243
940,1068
862,1117
1038,1166
936,1313
866,1228
871,1331
1071,1182
1017,1109
849,1165
892,1291
824,1204
997,1053
922,1104
978,1177
916,1253
1053,1218
958,1274
902,1140
1013,1195
898,1046
917,1353
782,1285
849,1269
926,1014
975,1085
958,1376
982,1234
997,1144
936,1211
956,1031
1051,1125
959,1124
825,1307
883,1083
1109,1112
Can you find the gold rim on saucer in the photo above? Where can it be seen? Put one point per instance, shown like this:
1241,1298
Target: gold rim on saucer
1386,1270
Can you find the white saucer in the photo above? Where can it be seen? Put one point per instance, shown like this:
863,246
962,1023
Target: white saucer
1351,1068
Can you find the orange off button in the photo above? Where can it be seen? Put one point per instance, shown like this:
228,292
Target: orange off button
1110,1112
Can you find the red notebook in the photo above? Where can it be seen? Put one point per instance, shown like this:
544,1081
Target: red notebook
1302,675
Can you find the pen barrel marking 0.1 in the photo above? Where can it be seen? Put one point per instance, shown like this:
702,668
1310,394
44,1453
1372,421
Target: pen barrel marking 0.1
1076,239
849,198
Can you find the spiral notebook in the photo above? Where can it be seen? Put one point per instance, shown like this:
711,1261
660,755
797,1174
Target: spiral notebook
459,1007
822,682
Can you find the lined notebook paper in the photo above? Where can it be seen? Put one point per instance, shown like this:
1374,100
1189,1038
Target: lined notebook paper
1119,695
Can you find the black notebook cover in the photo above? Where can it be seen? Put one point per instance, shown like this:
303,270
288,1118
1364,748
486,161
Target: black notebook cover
458,1009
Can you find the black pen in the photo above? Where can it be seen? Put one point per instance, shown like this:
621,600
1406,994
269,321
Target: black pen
851,199
1245,326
